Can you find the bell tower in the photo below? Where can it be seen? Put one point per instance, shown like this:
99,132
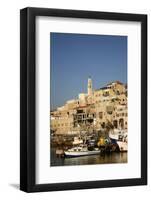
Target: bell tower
89,86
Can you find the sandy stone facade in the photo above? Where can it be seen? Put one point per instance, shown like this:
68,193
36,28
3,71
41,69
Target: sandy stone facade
92,110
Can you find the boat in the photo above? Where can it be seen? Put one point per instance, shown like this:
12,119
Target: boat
120,137
117,134
81,151
123,147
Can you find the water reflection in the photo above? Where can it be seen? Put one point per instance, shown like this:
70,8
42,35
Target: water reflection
115,157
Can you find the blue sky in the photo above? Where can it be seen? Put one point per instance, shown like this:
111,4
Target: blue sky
75,57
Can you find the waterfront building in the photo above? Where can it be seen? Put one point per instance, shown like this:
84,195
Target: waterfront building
92,110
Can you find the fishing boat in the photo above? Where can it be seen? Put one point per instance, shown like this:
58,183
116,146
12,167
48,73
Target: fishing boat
122,146
117,134
120,137
81,151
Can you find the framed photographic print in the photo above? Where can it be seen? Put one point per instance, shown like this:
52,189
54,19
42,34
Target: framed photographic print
83,99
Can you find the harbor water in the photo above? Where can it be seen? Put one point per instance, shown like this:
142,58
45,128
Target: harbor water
106,158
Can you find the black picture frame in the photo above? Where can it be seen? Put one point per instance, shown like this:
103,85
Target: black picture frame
28,99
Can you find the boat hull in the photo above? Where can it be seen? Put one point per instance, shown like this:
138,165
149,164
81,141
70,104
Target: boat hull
82,153
122,146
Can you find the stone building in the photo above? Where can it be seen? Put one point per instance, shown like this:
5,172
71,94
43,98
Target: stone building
93,109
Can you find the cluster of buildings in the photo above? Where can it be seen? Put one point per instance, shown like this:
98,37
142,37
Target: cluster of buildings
91,111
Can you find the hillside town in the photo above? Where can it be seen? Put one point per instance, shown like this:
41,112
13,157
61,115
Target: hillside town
92,124
92,111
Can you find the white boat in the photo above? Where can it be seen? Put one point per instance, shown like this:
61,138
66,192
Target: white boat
118,134
81,151
121,138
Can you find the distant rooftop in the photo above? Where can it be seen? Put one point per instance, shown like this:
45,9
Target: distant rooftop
115,82
106,86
